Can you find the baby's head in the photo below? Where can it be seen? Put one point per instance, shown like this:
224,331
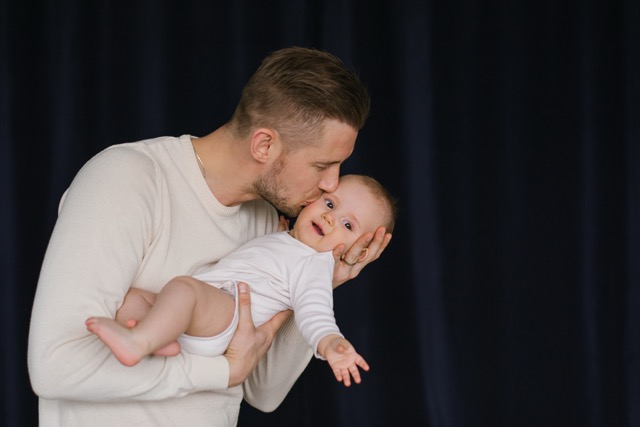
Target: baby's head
359,205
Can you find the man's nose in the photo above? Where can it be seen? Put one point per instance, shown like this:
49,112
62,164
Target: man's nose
329,182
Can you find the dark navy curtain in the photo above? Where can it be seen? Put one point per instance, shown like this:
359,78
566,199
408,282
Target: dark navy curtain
509,131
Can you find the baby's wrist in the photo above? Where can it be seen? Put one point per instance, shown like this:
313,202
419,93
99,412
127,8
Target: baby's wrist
325,343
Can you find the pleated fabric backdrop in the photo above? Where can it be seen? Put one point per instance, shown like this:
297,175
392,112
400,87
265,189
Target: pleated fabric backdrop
509,131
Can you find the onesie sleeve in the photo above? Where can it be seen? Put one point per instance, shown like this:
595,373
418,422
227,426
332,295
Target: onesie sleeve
310,290
311,294
105,223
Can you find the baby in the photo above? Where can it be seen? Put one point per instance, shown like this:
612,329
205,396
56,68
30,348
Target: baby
285,270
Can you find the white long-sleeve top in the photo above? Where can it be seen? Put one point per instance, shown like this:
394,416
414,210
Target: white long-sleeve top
283,273
140,214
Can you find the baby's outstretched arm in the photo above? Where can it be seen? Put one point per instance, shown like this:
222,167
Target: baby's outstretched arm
342,358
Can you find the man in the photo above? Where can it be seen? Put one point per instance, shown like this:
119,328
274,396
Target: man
139,214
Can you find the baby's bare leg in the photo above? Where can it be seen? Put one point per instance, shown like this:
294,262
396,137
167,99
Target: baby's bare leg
136,305
184,305
213,310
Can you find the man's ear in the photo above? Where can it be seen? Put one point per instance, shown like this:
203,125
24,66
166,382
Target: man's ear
264,142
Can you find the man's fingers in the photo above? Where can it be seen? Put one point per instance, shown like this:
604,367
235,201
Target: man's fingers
351,261
373,243
244,306
350,257
272,326
378,244
283,224
338,252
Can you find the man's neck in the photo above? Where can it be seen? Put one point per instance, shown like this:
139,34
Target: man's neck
228,168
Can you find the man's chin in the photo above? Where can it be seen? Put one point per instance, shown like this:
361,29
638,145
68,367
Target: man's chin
294,212
290,211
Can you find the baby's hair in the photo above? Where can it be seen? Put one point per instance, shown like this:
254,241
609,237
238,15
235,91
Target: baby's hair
380,192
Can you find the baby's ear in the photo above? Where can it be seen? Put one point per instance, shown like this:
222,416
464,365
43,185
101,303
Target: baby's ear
363,254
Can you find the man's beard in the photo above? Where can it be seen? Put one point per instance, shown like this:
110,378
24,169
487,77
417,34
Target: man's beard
271,188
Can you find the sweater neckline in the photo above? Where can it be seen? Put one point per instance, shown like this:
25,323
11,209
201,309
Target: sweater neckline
198,183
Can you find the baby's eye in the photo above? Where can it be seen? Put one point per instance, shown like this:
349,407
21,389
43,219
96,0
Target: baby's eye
348,225
328,203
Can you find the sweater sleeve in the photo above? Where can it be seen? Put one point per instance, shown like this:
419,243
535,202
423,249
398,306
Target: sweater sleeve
278,370
104,226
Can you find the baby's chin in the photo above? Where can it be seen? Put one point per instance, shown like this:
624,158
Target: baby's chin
318,246
331,247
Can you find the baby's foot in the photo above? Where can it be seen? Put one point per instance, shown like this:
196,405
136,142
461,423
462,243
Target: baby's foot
118,338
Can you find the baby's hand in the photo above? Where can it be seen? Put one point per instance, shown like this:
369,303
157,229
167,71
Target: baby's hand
344,361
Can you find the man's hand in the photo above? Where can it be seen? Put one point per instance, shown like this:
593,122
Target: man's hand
249,343
368,248
283,224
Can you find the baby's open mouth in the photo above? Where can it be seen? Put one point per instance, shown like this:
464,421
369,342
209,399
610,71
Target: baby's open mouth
318,229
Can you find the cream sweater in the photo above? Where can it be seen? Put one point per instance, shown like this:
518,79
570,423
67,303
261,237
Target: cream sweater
140,214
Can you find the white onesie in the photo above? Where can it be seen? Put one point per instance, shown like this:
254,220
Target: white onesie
282,273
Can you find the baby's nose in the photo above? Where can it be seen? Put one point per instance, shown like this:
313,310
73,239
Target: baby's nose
327,218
